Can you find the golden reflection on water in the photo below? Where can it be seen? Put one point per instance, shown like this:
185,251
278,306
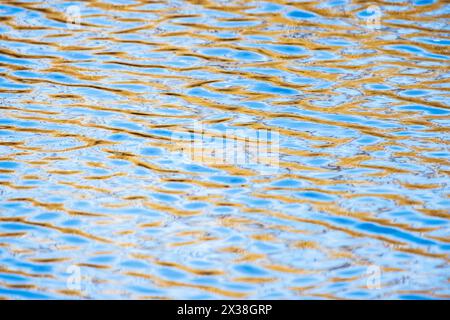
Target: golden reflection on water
91,175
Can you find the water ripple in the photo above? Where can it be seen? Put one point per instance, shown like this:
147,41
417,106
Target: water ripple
98,101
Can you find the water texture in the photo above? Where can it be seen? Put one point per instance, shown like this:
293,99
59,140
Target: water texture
97,201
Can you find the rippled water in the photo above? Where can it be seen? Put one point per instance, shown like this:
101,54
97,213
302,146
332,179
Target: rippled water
96,201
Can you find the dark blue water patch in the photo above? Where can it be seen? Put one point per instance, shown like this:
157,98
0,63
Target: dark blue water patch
237,54
299,14
71,223
287,183
177,185
8,121
27,123
249,269
5,133
434,41
305,280
25,294
171,274
439,155
82,204
16,207
264,247
47,216
367,140
229,179
126,125
417,51
375,86
160,132
323,55
206,264
12,85
32,183
104,259
13,278
151,151
73,55
10,10
195,205
17,226
9,165
313,195
50,76
373,228
206,280
35,268
411,133
74,239
415,92
235,239
429,221
117,162
319,162
414,297
256,202
203,93
164,197
444,203
337,286
376,229
423,2
198,168
153,231
98,171
426,109
225,35
358,294
368,12
134,264
353,271
285,49
9,60
223,210
268,88
336,42
247,55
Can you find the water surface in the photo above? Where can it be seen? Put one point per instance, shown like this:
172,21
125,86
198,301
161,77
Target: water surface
96,200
